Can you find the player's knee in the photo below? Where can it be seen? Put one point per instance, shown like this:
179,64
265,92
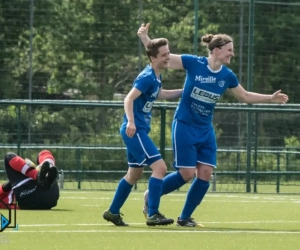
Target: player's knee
9,156
159,173
187,173
204,172
159,168
133,176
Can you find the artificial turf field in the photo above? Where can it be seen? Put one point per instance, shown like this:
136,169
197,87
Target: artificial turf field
233,221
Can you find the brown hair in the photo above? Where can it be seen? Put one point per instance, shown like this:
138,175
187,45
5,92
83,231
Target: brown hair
215,41
152,48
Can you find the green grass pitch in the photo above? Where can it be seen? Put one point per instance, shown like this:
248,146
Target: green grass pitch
233,221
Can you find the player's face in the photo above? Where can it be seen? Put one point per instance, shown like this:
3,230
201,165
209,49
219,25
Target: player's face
225,53
163,57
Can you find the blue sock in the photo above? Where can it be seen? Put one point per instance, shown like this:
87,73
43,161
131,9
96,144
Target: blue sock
172,182
155,188
194,197
122,193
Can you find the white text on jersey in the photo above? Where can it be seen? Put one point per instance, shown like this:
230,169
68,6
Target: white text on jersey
148,106
209,79
204,96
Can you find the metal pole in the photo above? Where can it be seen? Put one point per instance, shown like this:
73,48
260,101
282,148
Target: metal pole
241,31
30,49
78,164
249,88
196,8
139,41
61,179
241,42
162,132
287,164
278,175
18,107
255,151
30,67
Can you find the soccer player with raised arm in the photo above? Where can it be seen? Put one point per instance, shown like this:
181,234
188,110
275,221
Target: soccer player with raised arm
193,136
141,151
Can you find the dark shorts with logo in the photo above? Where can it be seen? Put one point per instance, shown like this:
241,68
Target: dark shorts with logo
32,196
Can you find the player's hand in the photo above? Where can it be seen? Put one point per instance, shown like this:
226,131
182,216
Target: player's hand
143,30
279,97
130,129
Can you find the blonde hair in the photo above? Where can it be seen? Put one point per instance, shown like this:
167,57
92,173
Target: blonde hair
215,41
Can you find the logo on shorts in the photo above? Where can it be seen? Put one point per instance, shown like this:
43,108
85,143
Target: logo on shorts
27,192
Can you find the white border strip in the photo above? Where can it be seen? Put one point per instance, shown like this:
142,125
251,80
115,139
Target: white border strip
160,231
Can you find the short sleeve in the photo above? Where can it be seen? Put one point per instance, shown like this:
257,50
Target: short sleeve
143,83
188,61
233,81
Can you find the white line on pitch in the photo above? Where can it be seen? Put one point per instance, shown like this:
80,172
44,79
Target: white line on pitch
181,200
109,224
160,231
246,201
183,193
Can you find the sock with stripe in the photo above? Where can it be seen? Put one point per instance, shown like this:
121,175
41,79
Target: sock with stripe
17,163
46,155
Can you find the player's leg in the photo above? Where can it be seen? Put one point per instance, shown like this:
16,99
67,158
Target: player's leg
205,163
5,188
136,158
48,196
45,157
159,168
154,217
195,195
32,197
123,190
7,200
17,170
184,158
5,194
181,142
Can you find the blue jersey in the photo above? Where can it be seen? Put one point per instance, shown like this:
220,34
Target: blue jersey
202,89
149,84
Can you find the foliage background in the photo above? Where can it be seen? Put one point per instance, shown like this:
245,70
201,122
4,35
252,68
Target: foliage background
88,50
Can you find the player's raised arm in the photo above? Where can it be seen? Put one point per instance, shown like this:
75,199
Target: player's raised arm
175,60
251,97
143,34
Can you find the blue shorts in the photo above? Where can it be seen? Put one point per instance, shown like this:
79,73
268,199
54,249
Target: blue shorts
141,150
192,145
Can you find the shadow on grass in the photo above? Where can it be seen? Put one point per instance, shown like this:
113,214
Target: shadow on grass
49,210
62,210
